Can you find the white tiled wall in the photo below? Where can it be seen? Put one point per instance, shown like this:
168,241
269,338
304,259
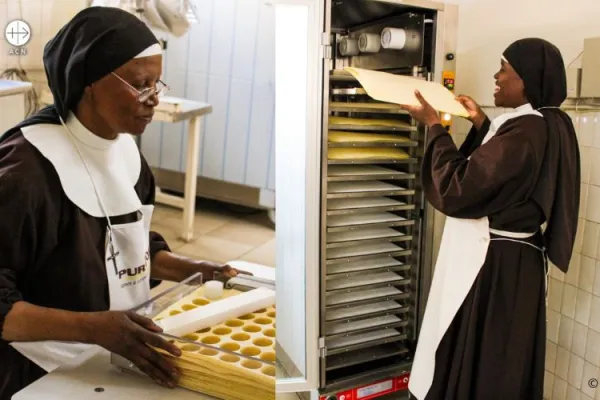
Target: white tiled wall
573,342
573,314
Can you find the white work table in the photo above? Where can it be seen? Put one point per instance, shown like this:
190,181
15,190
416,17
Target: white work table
192,111
99,380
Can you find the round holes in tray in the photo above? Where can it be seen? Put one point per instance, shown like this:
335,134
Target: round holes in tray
211,340
251,364
250,351
268,357
190,347
234,323
230,346
200,302
221,331
263,321
269,333
240,337
229,358
268,370
252,328
209,352
262,342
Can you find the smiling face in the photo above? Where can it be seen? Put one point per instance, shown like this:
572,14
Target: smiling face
115,104
510,89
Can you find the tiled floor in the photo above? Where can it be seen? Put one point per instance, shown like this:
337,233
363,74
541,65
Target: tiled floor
222,233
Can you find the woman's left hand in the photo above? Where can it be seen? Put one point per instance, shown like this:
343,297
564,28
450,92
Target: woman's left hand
225,269
423,113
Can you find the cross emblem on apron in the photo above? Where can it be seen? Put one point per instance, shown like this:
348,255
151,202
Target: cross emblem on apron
113,255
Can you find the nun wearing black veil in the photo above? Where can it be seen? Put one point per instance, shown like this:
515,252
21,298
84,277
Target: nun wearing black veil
76,201
484,331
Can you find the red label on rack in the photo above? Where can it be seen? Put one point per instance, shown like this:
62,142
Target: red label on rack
373,390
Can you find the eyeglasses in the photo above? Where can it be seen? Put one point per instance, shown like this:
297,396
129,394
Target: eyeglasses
144,95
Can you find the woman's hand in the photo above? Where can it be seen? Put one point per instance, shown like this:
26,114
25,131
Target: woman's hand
423,113
130,335
476,114
226,270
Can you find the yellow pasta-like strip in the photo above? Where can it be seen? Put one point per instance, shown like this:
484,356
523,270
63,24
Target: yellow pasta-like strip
367,153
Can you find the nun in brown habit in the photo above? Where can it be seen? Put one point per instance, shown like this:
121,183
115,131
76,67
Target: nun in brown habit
76,202
484,330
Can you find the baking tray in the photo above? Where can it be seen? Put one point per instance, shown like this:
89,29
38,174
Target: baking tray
351,358
368,204
346,173
366,236
359,189
351,252
377,264
369,125
342,223
363,282
371,107
339,329
369,140
361,341
212,343
359,161
367,310
369,296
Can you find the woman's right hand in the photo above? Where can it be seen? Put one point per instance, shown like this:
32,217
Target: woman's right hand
130,335
476,114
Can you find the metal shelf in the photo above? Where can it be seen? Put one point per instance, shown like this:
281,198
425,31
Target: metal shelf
366,236
369,125
360,357
347,173
344,223
377,264
378,108
346,284
361,341
344,329
368,310
337,300
370,204
355,189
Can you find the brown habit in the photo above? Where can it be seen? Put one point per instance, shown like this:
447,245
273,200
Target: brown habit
526,175
495,346
52,253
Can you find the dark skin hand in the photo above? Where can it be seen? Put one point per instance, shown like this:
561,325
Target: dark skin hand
423,113
132,336
123,333
175,268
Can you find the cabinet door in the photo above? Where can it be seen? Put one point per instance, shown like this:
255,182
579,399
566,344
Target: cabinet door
298,112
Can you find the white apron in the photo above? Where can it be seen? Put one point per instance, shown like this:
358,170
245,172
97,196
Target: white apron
454,276
127,252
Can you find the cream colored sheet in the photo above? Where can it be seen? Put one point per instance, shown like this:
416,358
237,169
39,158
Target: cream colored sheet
355,137
367,153
366,122
400,89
